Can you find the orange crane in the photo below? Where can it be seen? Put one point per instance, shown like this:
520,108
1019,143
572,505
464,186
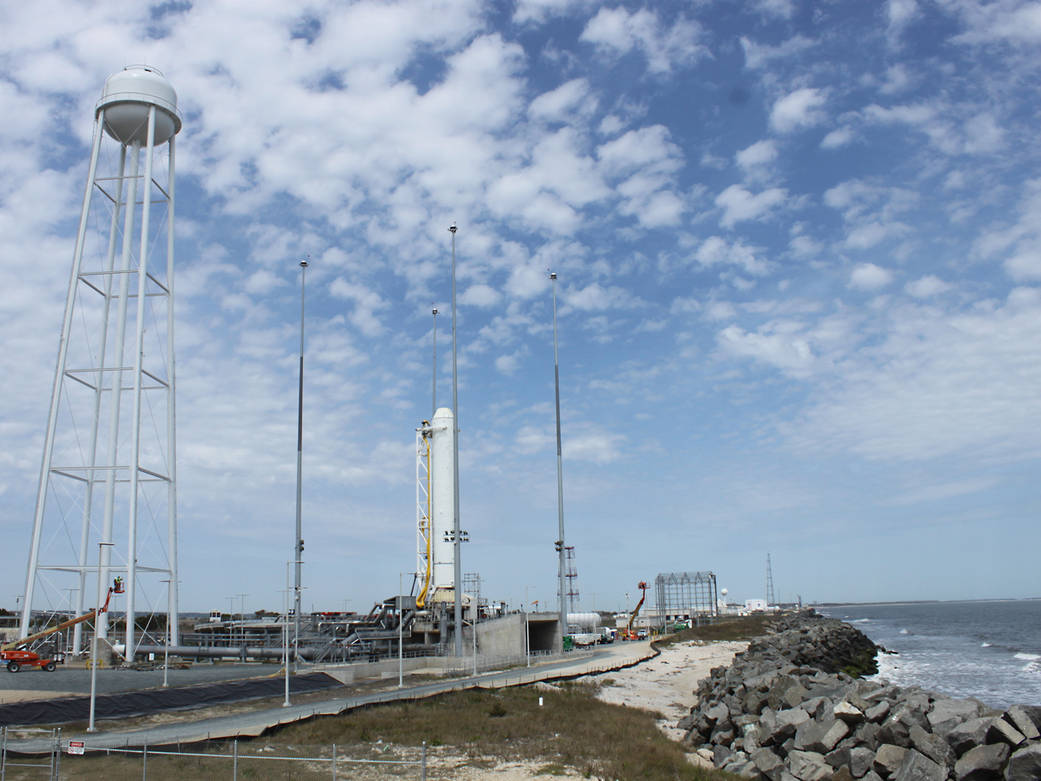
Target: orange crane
17,656
629,629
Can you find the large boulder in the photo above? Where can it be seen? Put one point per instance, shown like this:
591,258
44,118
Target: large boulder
933,746
809,766
968,734
983,763
918,767
947,713
1018,717
1025,764
888,759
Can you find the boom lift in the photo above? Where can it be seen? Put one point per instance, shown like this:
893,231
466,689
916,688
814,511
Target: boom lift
16,654
629,633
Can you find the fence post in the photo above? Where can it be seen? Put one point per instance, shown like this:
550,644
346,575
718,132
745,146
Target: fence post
57,756
423,763
144,762
235,760
334,762
3,753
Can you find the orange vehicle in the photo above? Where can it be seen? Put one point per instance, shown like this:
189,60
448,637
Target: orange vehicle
18,655
629,633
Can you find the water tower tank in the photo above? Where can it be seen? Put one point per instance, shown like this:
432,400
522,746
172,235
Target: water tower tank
126,99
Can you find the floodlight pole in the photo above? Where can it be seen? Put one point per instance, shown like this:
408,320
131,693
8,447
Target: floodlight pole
456,536
94,652
433,384
298,543
560,474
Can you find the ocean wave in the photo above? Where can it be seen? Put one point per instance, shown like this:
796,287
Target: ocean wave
984,644
861,621
904,632
1028,657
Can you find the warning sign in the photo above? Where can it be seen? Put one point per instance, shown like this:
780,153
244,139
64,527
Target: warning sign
76,747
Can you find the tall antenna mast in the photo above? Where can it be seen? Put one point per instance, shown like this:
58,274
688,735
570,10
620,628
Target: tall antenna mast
561,553
770,600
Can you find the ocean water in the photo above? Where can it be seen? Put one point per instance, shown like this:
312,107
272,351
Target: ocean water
989,650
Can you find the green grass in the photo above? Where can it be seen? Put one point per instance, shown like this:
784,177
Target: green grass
736,628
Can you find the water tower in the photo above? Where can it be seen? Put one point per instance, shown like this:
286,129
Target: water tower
106,499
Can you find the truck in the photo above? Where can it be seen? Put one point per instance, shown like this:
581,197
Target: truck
19,654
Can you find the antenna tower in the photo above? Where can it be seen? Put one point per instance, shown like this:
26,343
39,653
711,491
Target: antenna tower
571,577
770,599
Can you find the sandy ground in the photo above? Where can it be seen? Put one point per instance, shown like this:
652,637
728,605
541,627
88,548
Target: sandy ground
21,695
666,683
663,685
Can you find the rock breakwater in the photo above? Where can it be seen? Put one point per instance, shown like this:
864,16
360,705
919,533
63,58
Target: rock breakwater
791,709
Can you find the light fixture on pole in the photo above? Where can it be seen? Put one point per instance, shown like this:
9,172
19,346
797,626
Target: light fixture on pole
456,547
94,652
560,474
298,541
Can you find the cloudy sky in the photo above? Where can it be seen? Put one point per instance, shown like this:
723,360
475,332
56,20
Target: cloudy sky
799,258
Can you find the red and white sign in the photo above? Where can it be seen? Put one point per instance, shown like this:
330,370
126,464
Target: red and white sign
76,747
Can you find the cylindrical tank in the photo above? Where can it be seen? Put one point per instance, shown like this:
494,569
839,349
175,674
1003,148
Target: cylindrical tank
583,622
442,479
126,99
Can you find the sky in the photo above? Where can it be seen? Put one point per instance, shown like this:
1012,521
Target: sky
798,249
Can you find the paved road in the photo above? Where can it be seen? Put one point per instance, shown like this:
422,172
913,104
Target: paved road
254,723
76,680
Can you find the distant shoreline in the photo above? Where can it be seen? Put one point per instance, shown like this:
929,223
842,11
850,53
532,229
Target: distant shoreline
923,602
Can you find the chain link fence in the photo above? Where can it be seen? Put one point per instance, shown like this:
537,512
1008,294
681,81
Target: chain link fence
225,761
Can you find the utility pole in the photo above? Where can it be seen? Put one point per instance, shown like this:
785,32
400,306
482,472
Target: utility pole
298,542
456,536
561,553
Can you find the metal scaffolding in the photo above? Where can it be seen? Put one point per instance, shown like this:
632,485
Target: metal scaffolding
682,596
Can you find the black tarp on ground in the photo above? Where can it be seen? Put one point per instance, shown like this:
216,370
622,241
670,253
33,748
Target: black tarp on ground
139,703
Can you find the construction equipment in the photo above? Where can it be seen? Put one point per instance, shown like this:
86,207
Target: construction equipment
18,655
629,633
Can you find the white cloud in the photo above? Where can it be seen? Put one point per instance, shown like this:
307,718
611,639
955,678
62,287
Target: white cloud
480,295
799,109
564,103
927,287
739,204
665,46
900,13
760,55
775,345
869,277
595,297
837,138
508,364
759,153
538,11
1025,266
366,305
715,251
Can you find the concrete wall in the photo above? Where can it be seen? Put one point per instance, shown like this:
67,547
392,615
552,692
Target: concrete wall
501,636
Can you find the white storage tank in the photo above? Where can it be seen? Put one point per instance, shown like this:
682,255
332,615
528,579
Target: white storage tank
126,100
